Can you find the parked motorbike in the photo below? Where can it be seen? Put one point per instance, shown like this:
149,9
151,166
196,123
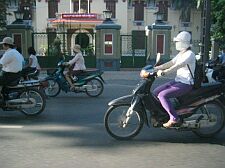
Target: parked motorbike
89,82
24,97
212,66
200,111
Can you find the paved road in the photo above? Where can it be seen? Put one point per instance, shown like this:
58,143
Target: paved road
70,133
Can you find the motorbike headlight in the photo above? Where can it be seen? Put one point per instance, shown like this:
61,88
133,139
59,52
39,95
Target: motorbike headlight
144,74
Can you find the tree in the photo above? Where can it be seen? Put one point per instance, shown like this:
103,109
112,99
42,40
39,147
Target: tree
3,14
218,21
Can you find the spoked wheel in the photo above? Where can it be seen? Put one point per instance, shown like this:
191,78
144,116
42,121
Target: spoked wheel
36,99
53,88
120,125
94,87
212,121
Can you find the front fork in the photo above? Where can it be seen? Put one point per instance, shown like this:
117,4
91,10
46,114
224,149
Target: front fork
136,106
129,113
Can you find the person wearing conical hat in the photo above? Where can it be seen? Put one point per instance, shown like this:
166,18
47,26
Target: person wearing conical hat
77,66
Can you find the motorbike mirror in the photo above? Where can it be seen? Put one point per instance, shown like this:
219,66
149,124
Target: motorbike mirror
158,57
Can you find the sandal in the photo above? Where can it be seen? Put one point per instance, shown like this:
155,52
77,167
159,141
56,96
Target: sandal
72,88
172,123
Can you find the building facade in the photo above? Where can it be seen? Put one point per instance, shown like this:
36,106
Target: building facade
78,18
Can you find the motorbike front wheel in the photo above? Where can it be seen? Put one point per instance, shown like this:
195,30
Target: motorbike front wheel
36,97
213,119
94,87
115,119
53,88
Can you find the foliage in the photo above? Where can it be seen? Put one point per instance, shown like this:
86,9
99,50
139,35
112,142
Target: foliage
218,21
55,49
89,50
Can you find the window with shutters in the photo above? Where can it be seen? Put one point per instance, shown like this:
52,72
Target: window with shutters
139,11
163,8
108,43
82,6
160,43
52,8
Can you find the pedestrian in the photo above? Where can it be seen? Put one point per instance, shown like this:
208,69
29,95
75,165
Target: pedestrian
219,73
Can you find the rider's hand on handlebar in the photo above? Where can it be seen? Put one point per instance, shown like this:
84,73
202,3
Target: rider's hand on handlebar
160,73
66,64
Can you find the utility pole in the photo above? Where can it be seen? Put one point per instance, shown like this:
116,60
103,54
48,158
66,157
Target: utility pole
205,33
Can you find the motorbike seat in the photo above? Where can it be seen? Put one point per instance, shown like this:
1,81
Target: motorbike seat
34,74
89,72
206,90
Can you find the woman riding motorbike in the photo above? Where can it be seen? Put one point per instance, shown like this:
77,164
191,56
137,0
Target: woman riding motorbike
77,66
184,65
33,64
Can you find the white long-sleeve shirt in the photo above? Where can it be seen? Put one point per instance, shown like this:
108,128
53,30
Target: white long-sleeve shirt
179,63
78,60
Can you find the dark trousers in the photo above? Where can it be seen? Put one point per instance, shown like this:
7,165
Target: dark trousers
27,70
9,78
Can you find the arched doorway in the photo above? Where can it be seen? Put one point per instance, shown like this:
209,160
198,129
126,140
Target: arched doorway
82,39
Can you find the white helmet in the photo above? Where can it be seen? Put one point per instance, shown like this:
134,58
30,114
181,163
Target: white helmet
182,40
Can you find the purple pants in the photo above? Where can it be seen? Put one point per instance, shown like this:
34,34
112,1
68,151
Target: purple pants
169,90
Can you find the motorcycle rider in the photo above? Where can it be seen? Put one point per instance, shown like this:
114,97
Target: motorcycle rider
220,73
183,81
77,66
32,65
11,63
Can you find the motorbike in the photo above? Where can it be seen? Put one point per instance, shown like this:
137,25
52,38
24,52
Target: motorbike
200,111
33,77
23,96
212,66
89,82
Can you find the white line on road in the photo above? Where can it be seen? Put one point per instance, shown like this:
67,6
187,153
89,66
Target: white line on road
11,126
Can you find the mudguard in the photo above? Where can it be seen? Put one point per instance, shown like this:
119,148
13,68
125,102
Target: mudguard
124,100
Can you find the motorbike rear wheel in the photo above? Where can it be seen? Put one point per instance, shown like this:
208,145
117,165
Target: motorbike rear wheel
53,88
114,120
40,101
96,87
213,113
